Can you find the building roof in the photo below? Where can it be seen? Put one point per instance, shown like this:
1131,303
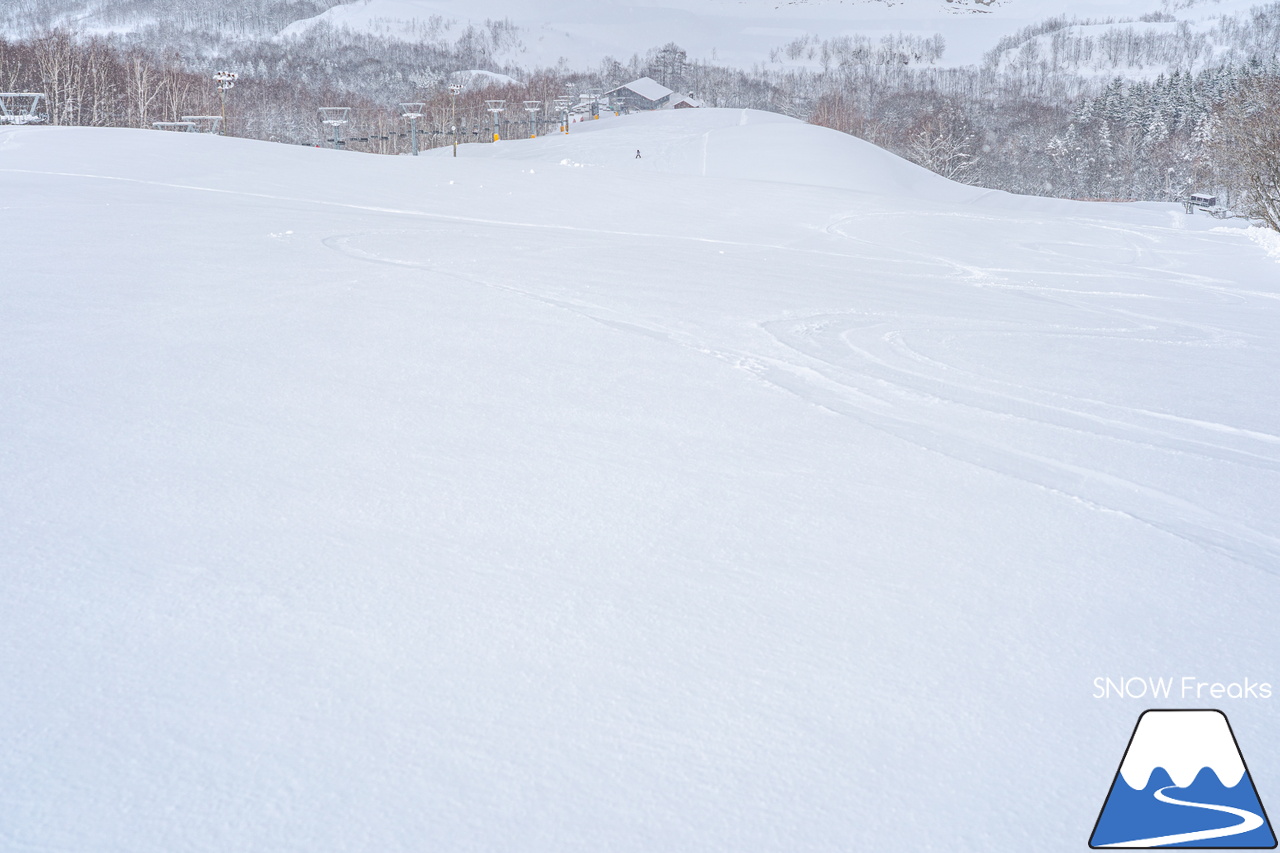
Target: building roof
684,100
645,87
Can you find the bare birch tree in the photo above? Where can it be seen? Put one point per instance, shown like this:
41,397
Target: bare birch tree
1248,148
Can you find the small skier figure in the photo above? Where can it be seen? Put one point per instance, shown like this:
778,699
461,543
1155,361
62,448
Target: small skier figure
637,153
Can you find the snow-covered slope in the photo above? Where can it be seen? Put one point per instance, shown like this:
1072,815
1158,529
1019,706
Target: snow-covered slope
743,144
552,499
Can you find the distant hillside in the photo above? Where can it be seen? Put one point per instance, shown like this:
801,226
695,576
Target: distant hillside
1152,44
242,18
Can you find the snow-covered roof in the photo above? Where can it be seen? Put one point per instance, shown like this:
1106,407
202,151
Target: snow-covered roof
686,100
646,87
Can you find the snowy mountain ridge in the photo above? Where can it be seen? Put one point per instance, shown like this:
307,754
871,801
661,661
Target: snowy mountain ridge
738,34
743,33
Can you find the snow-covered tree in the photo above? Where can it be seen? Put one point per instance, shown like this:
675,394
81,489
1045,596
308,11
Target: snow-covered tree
1248,147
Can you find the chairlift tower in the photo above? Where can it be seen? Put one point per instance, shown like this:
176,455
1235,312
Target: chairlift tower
454,90
532,107
495,108
20,107
226,81
335,118
570,98
412,112
562,108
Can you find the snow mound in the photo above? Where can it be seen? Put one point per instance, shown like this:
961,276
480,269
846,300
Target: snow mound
731,143
1266,238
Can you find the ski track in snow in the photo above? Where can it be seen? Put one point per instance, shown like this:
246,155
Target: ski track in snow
441,217
915,381
898,391
894,386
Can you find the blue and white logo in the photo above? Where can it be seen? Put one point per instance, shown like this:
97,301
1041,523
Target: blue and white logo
1183,783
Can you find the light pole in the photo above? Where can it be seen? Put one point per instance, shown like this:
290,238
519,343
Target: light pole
495,108
532,107
454,89
226,80
413,112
